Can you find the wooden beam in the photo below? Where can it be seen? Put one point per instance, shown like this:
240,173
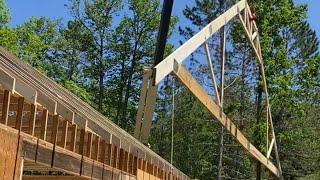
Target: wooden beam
54,129
257,51
95,154
19,113
115,153
270,148
121,159
32,119
65,112
26,91
148,113
142,102
186,78
47,102
102,151
109,154
6,80
180,54
89,145
73,138
5,107
63,141
213,77
44,123
49,94
54,136
81,145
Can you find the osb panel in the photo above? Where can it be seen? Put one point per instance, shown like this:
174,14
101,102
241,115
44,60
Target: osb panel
8,156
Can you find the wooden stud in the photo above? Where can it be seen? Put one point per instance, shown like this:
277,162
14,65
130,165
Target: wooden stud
135,165
115,152
55,128
81,142
54,136
44,123
19,113
130,164
48,94
32,119
73,138
96,148
64,134
126,161
102,151
109,154
89,145
5,107
121,159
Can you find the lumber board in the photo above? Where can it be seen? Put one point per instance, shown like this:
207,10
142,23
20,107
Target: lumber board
165,67
96,151
186,78
65,112
19,116
5,107
44,123
255,44
89,144
142,102
148,114
52,96
63,140
40,151
7,81
8,153
102,151
73,137
32,119
23,89
47,102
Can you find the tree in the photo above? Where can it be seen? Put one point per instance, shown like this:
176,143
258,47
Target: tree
8,38
96,20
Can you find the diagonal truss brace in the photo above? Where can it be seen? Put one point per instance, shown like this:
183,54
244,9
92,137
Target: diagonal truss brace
173,64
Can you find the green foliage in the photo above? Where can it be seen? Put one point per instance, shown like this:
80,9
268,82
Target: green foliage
4,15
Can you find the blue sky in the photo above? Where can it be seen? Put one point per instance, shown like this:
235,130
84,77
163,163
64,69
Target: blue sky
21,10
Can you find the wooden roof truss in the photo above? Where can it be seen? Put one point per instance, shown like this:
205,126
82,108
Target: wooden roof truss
173,64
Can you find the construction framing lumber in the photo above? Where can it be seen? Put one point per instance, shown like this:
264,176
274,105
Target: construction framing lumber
52,100
5,107
173,63
165,67
186,78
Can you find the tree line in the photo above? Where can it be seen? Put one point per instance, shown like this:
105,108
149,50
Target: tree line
100,53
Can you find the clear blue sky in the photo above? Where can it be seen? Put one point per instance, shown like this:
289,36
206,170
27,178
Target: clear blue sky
21,10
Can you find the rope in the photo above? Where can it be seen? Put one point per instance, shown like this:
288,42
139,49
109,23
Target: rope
172,120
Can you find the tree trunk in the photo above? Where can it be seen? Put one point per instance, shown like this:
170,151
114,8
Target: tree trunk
129,83
120,93
101,79
257,140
